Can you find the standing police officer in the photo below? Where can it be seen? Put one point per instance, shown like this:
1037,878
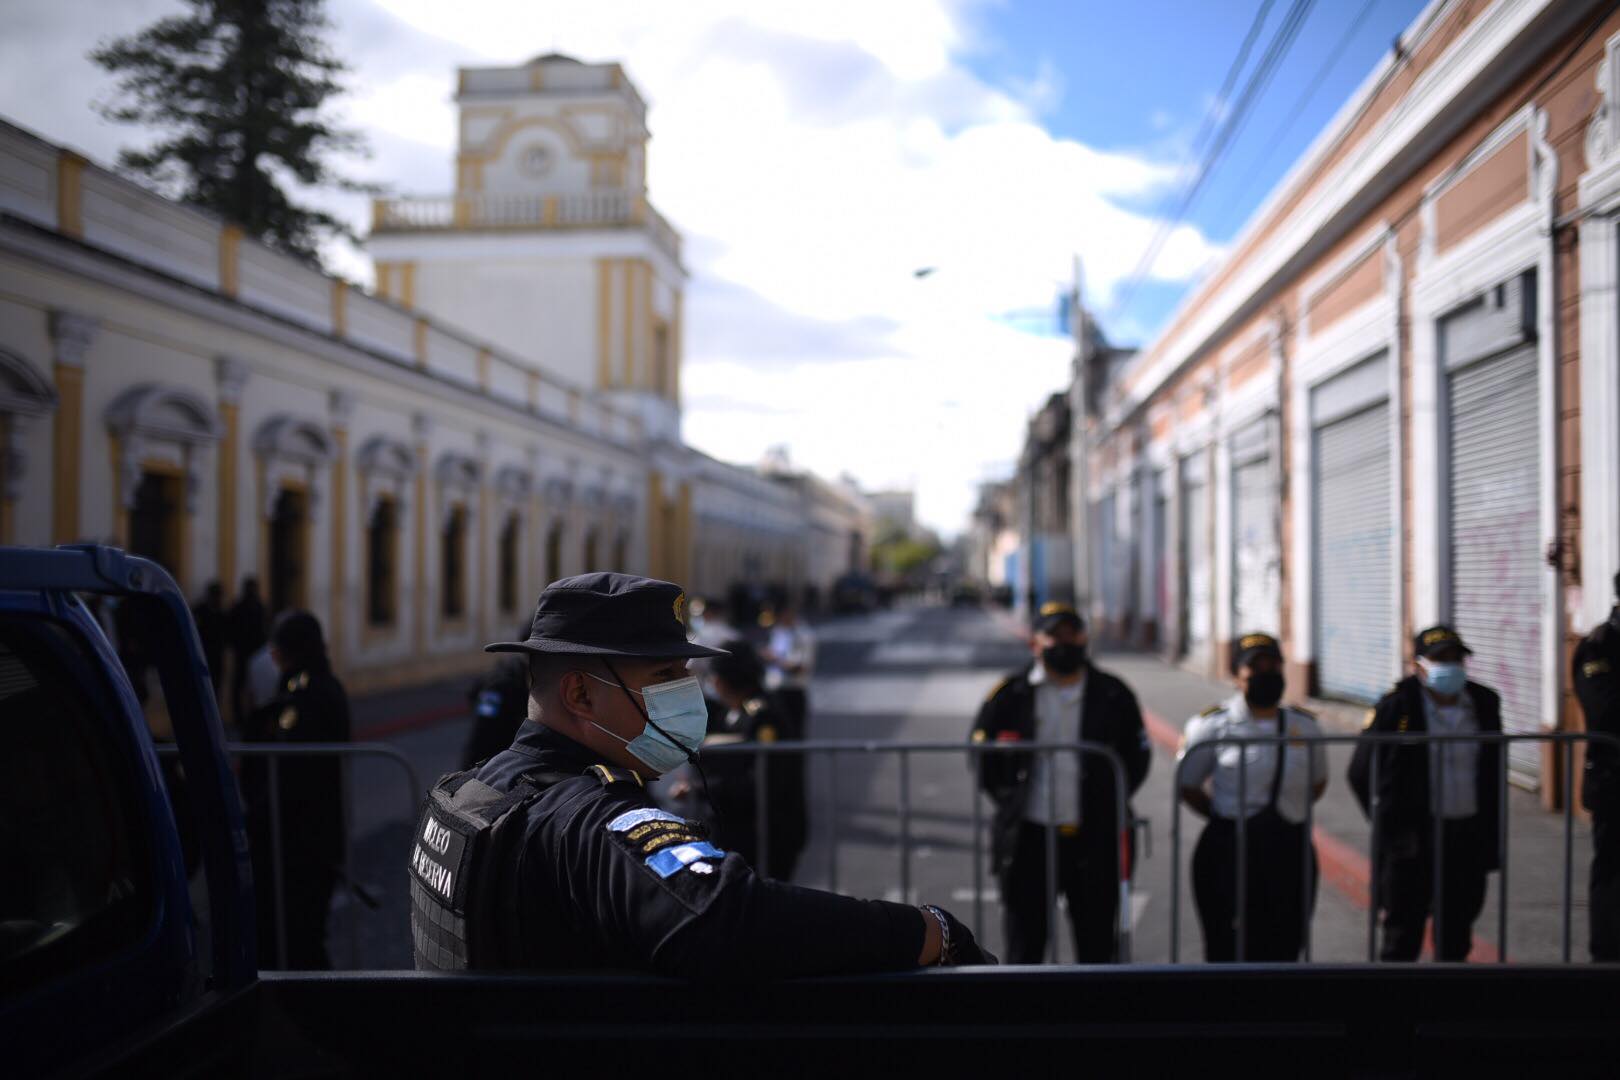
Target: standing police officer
1060,697
1458,782
753,714
552,856
1269,788
1597,684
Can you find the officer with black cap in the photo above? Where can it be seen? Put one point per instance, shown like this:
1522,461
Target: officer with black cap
1060,697
1597,685
552,856
1268,787
1457,781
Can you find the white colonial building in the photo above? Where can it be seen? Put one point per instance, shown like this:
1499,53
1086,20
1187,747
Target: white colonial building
412,464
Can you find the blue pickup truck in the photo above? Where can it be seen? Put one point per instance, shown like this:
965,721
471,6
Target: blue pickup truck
112,960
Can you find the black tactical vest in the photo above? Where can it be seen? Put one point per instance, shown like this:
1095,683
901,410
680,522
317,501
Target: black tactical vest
466,842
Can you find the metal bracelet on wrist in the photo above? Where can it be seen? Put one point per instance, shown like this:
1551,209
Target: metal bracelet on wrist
945,955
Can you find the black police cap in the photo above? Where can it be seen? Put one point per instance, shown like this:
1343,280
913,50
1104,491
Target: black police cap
1250,646
1055,615
1437,639
607,614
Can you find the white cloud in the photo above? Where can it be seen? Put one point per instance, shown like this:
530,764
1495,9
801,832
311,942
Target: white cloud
815,153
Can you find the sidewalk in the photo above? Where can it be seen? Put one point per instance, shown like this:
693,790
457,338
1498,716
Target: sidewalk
1535,878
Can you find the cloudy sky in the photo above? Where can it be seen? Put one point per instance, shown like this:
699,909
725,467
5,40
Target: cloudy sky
817,152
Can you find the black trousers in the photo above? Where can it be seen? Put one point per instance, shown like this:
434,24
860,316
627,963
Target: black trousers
1406,890
1604,886
306,902
1087,875
1276,899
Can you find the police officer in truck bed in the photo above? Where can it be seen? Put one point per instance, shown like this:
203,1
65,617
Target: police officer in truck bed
552,856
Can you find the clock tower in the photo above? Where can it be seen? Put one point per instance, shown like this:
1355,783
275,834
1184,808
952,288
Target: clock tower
549,247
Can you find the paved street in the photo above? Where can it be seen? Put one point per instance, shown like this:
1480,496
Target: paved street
919,675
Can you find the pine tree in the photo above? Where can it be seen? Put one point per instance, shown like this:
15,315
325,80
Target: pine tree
237,87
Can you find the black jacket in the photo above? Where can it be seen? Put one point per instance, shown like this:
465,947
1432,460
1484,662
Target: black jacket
1597,685
500,703
591,894
1404,806
312,707
1109,715
732,789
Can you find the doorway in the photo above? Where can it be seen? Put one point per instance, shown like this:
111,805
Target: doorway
156,519
289,550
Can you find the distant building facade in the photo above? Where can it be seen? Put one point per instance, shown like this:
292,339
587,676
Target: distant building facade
1397,401
411,464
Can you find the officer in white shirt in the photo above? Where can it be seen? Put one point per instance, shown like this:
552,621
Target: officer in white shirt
1270,793
1458,782
790,653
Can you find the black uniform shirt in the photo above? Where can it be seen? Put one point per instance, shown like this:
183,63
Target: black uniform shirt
607,880
1597,684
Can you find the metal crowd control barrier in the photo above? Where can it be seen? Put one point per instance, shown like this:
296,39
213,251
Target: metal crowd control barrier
345,753
832,748
1566,739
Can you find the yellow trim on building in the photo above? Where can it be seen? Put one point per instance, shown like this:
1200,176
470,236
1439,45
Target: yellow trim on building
483,370
627,376
673,346
419,342
230,260
604,324
160,467
340,308
385,280
68,447
421,593
230,417
683,535
339,588
70,193
548,210
644,351
482,609
407,285
655,513
537,77
120,516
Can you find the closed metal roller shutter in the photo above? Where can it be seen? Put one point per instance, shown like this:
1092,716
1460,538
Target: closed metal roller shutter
1196,586
1108,584
1256,565
1495,509
1160,568
1357,635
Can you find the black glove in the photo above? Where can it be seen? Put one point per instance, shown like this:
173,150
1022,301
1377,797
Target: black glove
964,950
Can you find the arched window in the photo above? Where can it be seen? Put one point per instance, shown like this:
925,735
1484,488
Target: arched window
453,564
554,540
459,477
160,433
511,531
293,454
386,467
382,562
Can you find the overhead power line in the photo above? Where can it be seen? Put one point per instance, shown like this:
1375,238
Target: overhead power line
1259,79
1309,95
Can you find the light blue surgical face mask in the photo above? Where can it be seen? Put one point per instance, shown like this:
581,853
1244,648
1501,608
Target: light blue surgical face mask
1444,678
677,720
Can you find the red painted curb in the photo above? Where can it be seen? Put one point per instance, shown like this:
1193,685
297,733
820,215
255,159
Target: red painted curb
413,722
